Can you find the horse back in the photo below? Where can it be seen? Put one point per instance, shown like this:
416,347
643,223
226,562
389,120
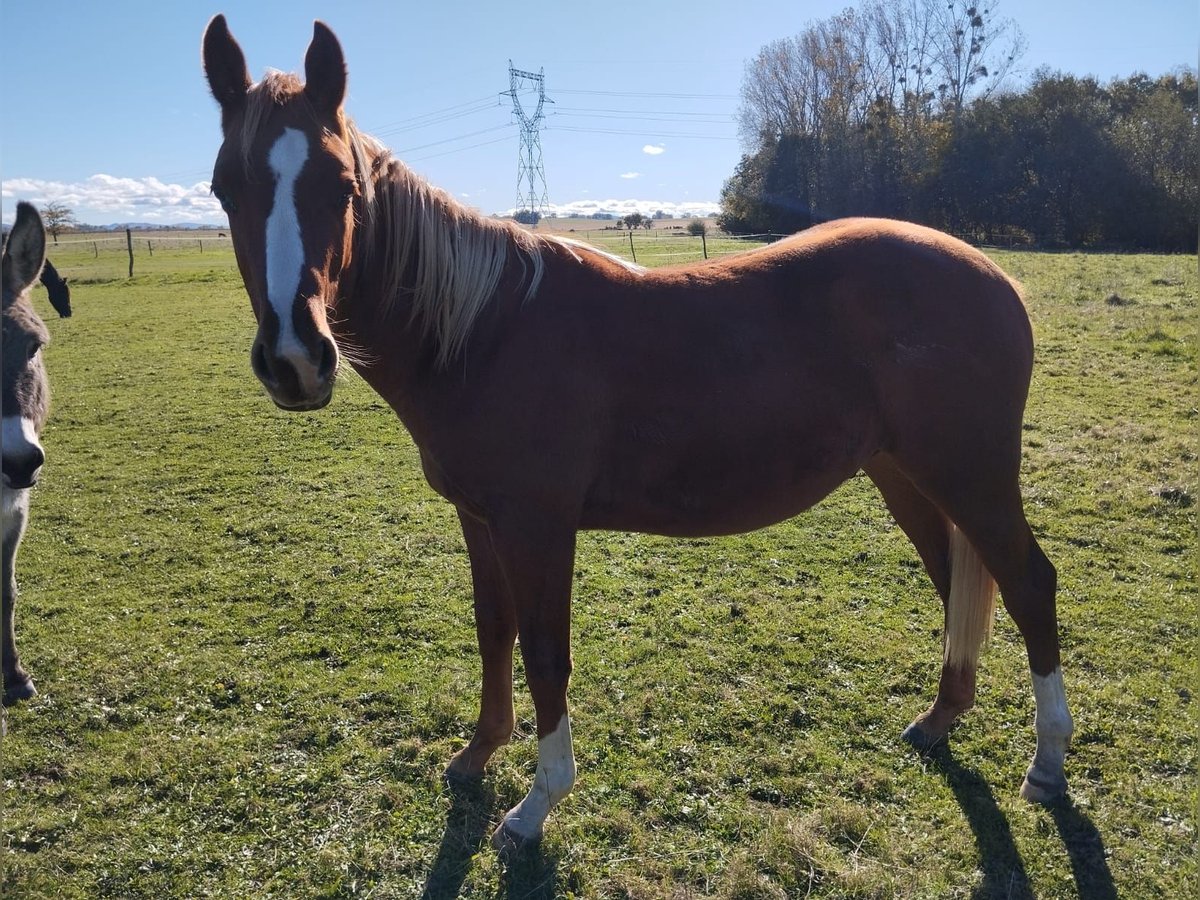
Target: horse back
721,397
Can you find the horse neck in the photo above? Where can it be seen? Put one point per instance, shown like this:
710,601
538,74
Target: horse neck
374,324
425,268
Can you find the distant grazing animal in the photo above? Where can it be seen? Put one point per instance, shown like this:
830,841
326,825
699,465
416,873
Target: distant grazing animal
26,402
550,388
57,289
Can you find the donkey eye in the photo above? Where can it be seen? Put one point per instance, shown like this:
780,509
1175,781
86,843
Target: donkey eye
33,349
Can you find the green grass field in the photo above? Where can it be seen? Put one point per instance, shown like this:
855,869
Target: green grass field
252,636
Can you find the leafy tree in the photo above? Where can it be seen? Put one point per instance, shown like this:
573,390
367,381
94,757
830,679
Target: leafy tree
634,220
894,108
527,216
697,227
58,218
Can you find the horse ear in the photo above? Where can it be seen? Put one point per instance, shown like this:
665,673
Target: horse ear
25,250
225,65
325,71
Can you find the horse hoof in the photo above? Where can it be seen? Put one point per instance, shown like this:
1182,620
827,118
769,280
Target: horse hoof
22,690
463,781
920,739
507,842
1043,789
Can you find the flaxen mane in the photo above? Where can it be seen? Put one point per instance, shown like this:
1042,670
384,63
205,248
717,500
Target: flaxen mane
440,255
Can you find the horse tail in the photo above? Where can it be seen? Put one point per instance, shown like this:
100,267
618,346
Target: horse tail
972,605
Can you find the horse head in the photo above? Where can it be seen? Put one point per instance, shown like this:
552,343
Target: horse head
286,177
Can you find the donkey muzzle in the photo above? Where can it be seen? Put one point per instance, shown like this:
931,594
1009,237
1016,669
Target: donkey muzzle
21,453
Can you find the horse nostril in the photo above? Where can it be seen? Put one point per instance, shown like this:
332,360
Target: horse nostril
260,364
329,360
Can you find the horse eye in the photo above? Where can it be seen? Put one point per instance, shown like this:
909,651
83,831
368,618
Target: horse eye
33,349
224,199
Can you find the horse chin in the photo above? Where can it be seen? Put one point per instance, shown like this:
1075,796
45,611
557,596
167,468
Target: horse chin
304,405
290,395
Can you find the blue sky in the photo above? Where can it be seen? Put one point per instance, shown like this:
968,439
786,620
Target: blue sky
106,108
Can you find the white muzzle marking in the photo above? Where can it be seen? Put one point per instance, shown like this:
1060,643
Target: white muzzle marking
19,438
285,246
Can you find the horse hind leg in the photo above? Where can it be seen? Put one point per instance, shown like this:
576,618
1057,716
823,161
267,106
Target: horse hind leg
988,510
966,590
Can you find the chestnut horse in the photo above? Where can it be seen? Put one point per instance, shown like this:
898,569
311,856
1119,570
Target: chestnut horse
550,387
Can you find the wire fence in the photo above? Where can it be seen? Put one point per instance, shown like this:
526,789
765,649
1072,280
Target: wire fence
669,245
98,257
83,257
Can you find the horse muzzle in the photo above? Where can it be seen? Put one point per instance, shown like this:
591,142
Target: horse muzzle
297,378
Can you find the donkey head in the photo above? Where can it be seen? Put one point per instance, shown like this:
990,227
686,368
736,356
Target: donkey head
25,397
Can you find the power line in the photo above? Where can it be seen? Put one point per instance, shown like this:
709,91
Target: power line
603,112
460,137
645,133
438,116
671,96
417,159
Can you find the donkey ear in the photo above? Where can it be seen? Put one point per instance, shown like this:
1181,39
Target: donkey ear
225,65
25,250
325,71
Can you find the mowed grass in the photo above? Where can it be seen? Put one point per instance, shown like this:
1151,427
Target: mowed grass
253,639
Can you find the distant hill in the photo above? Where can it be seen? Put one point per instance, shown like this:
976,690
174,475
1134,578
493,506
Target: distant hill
148,226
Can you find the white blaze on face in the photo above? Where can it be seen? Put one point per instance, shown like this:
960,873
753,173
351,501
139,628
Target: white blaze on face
285,249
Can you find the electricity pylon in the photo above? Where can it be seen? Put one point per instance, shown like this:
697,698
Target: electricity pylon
529,161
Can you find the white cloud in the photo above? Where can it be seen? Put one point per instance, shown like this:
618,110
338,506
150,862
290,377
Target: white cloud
631,175
654,149
621,208
104,199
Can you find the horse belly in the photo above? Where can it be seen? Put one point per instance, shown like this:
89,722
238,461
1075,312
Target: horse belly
726,484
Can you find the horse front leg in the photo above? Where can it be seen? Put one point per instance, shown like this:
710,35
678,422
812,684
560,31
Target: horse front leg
496,629
537,560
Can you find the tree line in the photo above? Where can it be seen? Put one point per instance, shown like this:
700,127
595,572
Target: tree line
904,108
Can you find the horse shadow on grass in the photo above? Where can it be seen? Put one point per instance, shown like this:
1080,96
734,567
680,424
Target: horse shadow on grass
528,873
1004,872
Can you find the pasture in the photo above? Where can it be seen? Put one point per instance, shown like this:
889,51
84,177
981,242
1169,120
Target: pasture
252,636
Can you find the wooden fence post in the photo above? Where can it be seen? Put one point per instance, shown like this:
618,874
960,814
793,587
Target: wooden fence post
632,252
704,245
149,248
129,244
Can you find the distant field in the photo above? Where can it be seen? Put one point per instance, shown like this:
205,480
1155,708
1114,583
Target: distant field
102,256
252,636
